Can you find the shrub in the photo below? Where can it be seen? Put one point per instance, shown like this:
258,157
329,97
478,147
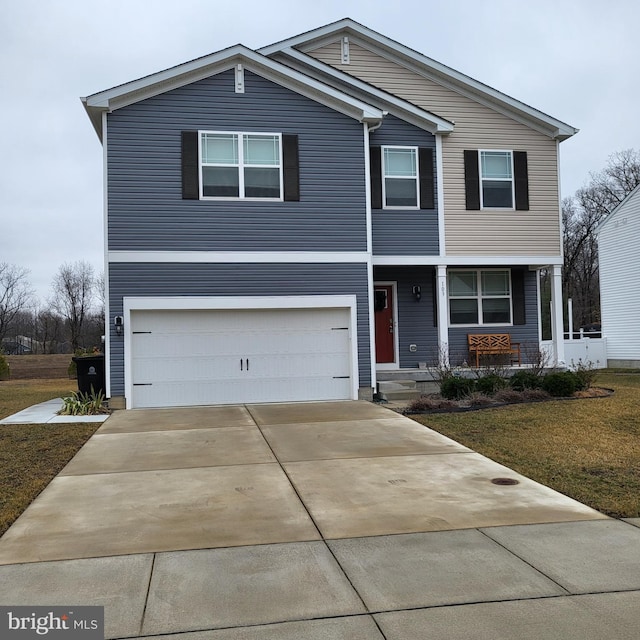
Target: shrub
83,404
5,372
509,395
429,403
455,388
489,384
530,395
72,371
522,380
479,400
585,374
560,384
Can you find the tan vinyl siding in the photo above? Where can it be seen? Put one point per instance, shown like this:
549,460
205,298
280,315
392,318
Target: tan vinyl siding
481,233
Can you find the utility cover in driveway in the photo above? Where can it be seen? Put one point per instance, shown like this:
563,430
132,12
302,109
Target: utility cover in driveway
199,357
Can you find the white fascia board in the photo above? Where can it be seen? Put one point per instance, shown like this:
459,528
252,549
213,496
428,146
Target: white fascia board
430,69
236,257
394,105
201,68
466,261
321,32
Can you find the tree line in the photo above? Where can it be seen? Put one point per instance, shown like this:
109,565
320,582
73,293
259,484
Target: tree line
71,319
582,213
73,316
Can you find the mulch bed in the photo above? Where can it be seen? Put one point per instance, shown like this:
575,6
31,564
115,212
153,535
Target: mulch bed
461,406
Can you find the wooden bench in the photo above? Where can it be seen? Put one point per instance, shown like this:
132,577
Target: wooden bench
483,344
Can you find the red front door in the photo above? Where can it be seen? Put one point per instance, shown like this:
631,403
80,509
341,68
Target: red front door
383,306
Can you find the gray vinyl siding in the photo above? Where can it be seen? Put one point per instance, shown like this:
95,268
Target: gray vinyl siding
188,279
526,334
398,231
415,319
146,209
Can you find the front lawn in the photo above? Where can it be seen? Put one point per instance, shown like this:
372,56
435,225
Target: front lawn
31,455
588,449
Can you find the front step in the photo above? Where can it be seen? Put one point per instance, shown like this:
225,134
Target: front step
396,390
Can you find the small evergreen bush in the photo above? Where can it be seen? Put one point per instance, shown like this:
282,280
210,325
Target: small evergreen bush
522,380
560,384
489,384
5,372
455,388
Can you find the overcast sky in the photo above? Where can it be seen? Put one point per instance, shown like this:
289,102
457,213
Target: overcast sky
576,60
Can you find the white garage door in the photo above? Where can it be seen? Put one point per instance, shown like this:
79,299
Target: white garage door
197,357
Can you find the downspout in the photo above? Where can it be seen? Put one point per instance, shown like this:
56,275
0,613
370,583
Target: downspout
368,129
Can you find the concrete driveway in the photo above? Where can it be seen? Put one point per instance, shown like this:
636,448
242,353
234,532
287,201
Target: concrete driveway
322,520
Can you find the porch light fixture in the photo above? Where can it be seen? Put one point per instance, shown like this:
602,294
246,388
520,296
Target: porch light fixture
118,322
417,293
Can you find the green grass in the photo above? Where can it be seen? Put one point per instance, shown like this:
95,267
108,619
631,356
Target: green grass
588,449
31,455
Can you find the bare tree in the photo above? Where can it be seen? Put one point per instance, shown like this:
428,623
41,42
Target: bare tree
49,330
73,293
15,294
581,214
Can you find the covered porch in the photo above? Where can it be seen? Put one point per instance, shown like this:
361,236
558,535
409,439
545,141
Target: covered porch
424,314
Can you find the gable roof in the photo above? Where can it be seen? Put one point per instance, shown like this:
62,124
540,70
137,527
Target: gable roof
426,67
399,107
630,196
200,68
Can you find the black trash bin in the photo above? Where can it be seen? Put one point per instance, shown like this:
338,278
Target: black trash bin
90,373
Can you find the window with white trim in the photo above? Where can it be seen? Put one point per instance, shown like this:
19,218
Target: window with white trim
400,177
241,165
480,297
496,180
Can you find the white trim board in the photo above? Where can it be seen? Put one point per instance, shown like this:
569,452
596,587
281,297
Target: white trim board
466,260
324,257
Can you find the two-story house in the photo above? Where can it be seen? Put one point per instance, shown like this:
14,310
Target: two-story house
286,224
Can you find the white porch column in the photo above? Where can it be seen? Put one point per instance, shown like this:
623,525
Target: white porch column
557,319
443,316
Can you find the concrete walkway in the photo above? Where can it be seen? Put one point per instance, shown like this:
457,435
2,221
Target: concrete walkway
339,520
47,413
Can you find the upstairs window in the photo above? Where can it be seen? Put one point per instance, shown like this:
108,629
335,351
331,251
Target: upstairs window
496,171
241,165
480,297
400,177
496,180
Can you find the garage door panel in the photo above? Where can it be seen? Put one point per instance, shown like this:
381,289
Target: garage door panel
181,358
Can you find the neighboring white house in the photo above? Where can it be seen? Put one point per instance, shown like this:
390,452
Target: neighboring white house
619,255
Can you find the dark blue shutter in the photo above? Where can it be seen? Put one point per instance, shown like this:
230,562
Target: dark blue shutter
291,167
471,180
517,296
427,189
521,174
190,168
375,166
